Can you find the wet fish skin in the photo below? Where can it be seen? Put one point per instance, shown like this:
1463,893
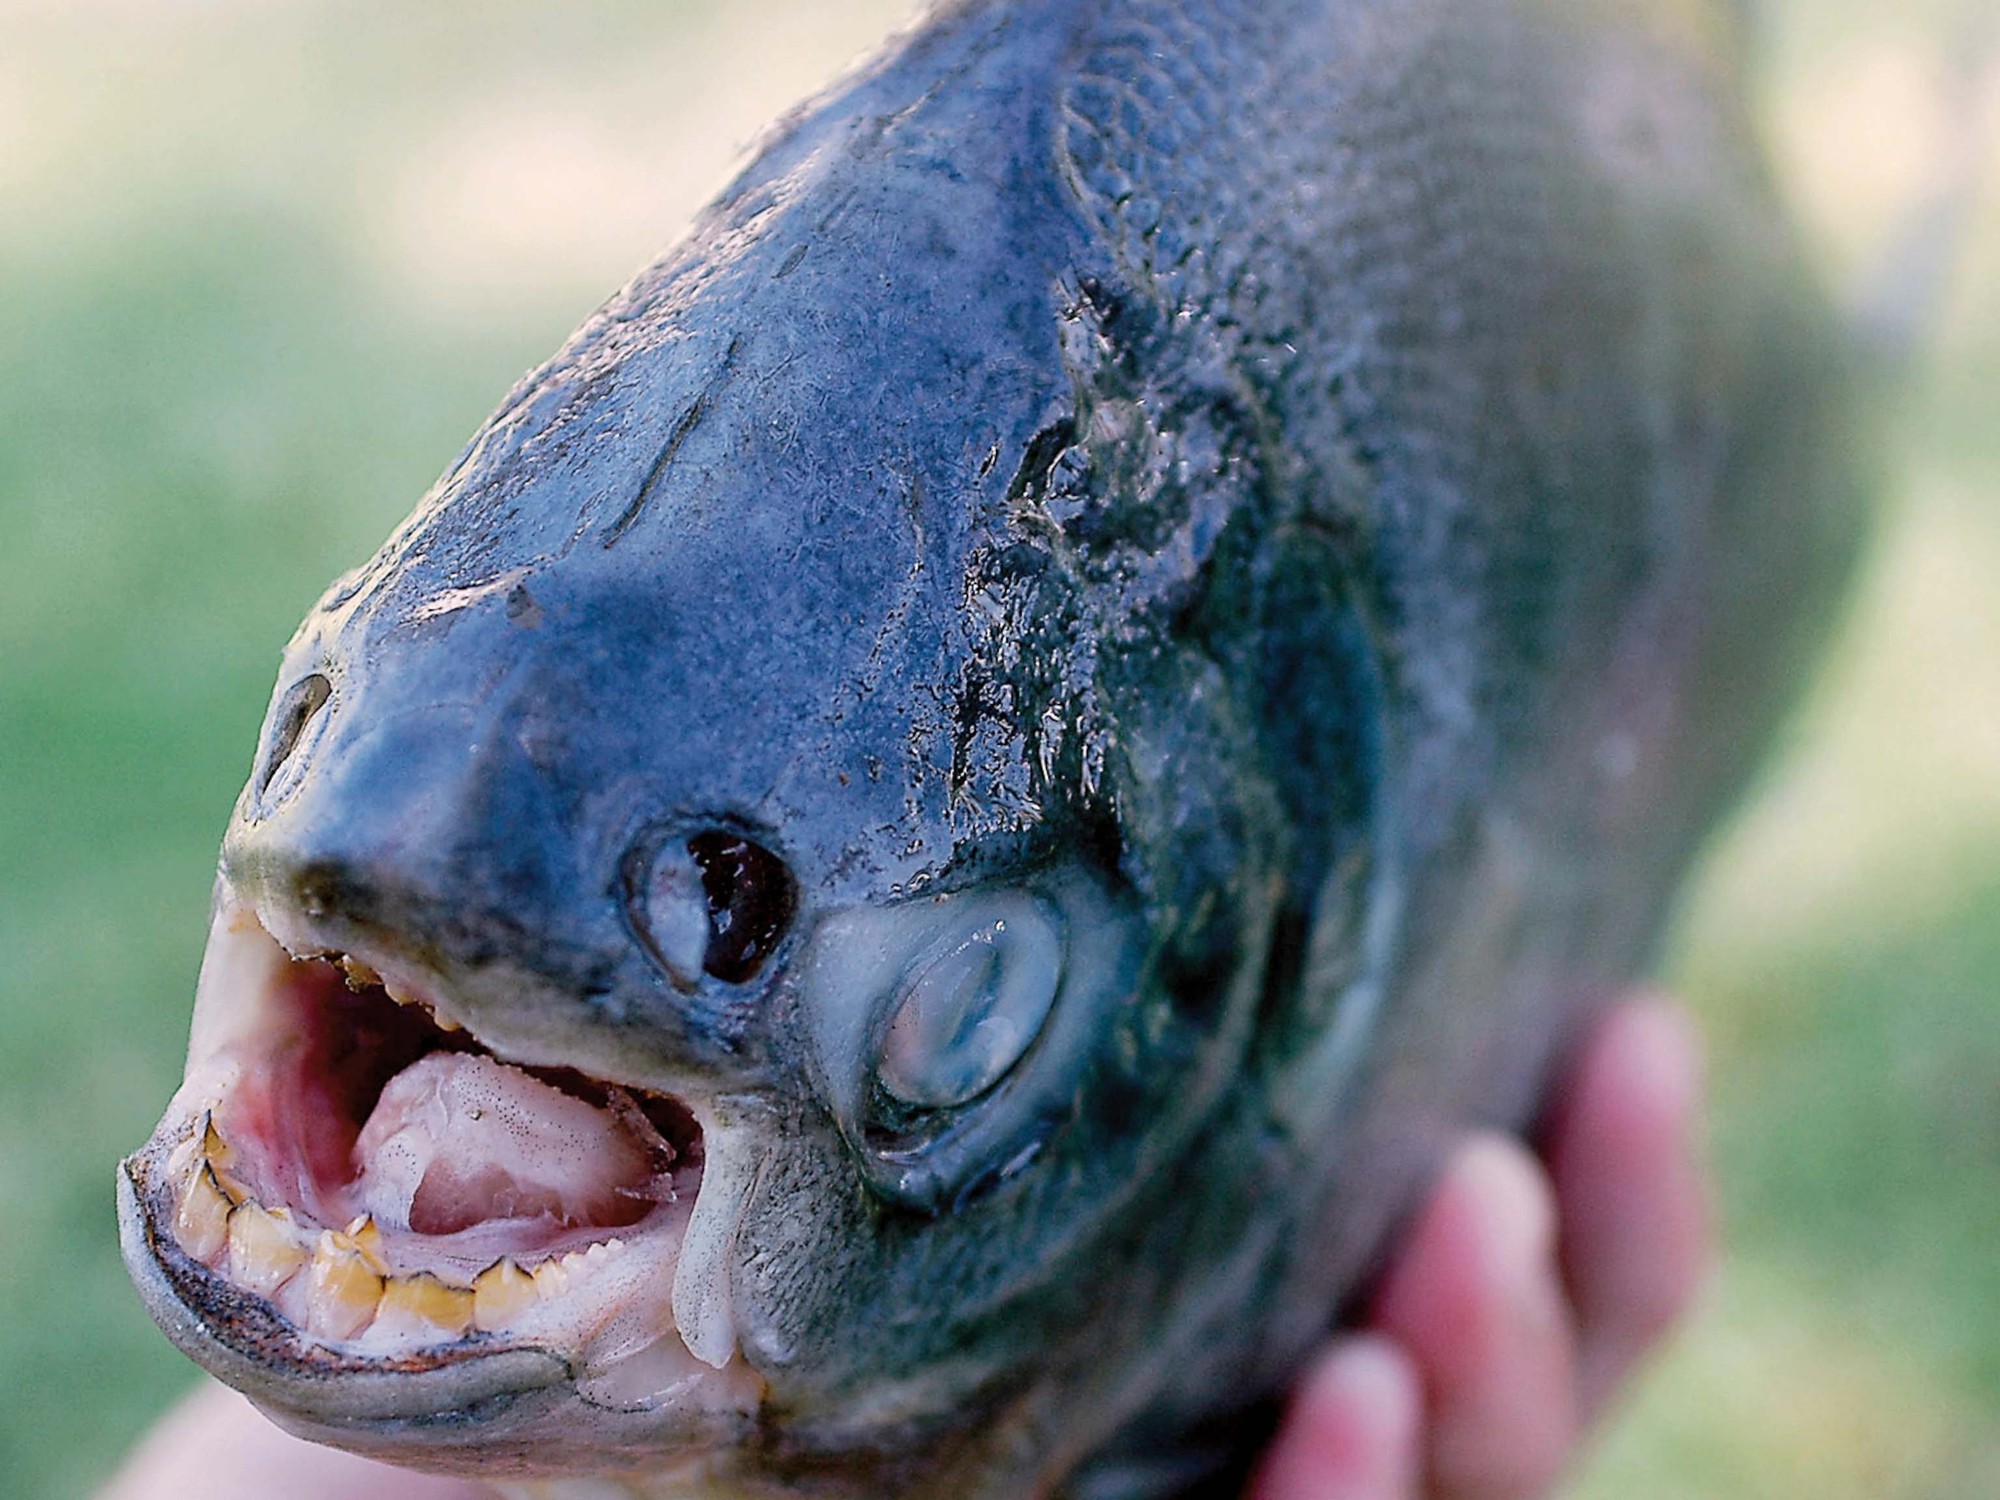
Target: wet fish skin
1329,497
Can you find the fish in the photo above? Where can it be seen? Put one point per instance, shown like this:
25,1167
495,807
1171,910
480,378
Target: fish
898,881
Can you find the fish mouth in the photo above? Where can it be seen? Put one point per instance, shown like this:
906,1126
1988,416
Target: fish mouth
366,1217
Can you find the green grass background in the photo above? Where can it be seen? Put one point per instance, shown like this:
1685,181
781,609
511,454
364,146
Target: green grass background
263,266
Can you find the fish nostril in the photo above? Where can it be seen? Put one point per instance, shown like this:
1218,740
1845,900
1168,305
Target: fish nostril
323,888
302,700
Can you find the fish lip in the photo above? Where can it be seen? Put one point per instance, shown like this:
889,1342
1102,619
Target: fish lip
239,1337
425,1403
484,1407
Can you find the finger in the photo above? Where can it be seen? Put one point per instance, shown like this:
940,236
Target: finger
215,1445
1350,1432
1476,1299
1634,1226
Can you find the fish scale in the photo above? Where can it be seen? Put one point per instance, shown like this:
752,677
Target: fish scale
1122,643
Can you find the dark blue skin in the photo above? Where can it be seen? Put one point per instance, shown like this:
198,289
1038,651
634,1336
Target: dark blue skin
1346,487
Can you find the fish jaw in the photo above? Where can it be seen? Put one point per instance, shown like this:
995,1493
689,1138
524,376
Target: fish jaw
398,1242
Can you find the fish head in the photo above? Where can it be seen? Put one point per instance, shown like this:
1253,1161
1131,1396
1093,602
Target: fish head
726,927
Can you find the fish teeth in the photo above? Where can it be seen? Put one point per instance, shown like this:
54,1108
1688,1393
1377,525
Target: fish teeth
404,996
344,1289
337,1284
213,1146
207,1191
364,1237
184,1160
201,1217
422,1303
264,1250
204,1143
359,976
552,1277
500,1294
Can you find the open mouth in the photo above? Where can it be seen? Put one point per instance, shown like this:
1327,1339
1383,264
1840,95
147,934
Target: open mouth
347,1154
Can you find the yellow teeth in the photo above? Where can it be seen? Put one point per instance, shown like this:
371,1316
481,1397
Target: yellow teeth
364,1238
422,1303
201,1218
205,1144
403,997
358,975
343,1290
336,1284
213,1146
264,1252
500,1294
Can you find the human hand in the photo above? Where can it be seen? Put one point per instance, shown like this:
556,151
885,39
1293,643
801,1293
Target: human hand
1526,1293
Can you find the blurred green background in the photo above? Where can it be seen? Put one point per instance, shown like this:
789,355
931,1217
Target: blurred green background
263,267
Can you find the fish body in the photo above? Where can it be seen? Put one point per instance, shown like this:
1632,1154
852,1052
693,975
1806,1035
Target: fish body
969,786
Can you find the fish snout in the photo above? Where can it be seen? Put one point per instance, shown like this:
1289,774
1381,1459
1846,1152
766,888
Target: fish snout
418,824
459,1071
522,887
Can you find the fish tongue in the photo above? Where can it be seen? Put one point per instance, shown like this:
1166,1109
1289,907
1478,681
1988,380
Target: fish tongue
459,1139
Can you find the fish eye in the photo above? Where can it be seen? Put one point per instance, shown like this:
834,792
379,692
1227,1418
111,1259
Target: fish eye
971,1005
750,902
950,1032
715,904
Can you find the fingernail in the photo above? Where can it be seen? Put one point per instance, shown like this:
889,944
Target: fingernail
1371,1377
1354,1431
1664,1062
1513,1197
1516,1212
